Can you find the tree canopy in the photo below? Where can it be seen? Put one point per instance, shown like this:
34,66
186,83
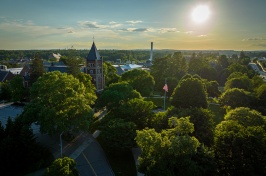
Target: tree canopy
62,167
110,73
138,111
172,67
189,92
116,94
18,92
236,97
242,82
19,151
59,102
140,80
36,69
118,134
5,91
172,151
202,120
240,143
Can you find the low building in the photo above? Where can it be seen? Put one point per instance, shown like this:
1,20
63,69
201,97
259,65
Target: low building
5,75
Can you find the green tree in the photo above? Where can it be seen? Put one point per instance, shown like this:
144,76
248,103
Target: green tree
212,88
236,67
115,95
242,55
177,65
137,111
19,151
236,75
261,97
59,102
172,151
234,57
110,73
189,92
2,132
62,167
201,66
5,91
236,97
159,72
36,69
242,82
118,134
257,81
73,65
18,91
169,67
86,79
208,73
240,143
203,124
140,80
223,61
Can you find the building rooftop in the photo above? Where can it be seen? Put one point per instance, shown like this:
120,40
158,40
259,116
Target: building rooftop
93,54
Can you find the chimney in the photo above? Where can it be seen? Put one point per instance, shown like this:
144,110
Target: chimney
151,52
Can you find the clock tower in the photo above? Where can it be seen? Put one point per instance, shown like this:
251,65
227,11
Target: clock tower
94,67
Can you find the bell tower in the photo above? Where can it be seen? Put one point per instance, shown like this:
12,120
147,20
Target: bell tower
94,67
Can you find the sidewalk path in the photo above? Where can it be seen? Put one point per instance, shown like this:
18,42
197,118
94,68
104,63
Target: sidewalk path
136,153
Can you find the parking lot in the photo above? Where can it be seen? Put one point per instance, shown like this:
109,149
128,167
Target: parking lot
8,110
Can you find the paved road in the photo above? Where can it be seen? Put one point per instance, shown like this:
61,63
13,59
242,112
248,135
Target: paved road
92,161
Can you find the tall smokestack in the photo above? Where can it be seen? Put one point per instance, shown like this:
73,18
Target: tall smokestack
151,51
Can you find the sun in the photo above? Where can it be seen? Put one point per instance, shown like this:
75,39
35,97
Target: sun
200,13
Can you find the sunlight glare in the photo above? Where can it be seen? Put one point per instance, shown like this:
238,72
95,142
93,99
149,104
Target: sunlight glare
200,13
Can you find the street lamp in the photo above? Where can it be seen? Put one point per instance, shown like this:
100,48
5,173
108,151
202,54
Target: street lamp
61,143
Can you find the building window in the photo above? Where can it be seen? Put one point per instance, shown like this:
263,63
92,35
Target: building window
91,65
91,71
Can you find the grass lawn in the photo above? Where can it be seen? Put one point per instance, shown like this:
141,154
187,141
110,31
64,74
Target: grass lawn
159,101
122,163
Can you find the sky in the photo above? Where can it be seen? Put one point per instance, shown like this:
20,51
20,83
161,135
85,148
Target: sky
132,24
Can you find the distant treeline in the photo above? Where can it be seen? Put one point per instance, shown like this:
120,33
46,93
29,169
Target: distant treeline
109,55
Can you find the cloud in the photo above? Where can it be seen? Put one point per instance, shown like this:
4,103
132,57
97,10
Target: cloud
202,36
136,30
63,28
28,28
70,32
188,32
140,30
165,30
134,22
254,39
261,45
112,22
91,25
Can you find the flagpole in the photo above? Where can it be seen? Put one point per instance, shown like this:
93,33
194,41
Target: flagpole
164,96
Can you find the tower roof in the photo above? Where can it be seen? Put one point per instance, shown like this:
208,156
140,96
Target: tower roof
93,54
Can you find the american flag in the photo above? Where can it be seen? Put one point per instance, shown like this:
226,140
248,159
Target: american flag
165,87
